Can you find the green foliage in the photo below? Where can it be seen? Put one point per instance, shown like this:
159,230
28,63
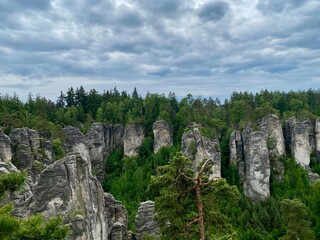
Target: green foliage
295,215
57,148
35,227
11,181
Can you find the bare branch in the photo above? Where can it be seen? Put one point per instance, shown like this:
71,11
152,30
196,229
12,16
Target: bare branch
185,176
193,222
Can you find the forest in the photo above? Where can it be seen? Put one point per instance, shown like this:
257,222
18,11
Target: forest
291,212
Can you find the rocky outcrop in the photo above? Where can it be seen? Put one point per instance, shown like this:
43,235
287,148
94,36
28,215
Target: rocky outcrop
271,126
116,217
144,222
19,198
5,148
162,135
48,151
257,167
76,142
236,147
198,147
317,137
300,147
102,140
66,187
132,139
22,145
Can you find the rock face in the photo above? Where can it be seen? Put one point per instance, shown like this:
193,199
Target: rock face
162,135
102,140
117,218
23,143
271,126
144,222
197,148
19,198
132,139
317,137
75,141
300,147
5,148
257,167
66,187
236,147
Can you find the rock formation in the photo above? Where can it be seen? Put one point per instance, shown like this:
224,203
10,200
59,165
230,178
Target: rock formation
236,153
23,143
198,147
66,187
132,139
117,218
257,167
317,137
162,135
75,141
271,126
5,148
144,222
102,140
300,147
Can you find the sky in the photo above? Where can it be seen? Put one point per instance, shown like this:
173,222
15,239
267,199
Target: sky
202,47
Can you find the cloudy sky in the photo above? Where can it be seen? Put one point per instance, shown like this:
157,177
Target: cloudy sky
202,47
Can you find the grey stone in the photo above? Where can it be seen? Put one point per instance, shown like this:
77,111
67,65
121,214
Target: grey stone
21,144
162,135
271,126
198,147
76,142
48,151
317,137
132,139
67,187
236,147
144,222
257,167
5,148
117,218
300,145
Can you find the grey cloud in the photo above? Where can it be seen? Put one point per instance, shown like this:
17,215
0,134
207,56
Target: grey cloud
213,11
271,6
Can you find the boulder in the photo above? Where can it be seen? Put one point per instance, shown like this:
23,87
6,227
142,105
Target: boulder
198,147
67,187
257,167
144,222
162,135
132,139
5,148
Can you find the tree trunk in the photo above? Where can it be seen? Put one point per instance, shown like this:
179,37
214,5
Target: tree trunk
200,209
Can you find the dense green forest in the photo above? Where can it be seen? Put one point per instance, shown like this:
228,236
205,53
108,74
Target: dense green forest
292,211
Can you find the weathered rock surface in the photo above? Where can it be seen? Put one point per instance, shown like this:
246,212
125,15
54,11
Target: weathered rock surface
76,142
5,148
197,148
300,147
162,135
102,140
257,167
236,147
18,198
67,187
48,151
144,222
132,139
116,217
271,126
317,137
236,153
22,144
